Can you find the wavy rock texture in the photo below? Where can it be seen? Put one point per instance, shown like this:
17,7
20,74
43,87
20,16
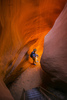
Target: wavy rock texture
23,21
54,58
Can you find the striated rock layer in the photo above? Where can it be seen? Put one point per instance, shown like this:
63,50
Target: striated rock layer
24,20
21,22
54,57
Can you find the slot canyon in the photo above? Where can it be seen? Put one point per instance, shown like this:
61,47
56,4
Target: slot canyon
24,26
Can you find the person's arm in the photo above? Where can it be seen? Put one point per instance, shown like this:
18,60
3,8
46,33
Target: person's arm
37,55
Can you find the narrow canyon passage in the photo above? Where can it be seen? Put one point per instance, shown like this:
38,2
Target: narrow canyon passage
33,24
30,78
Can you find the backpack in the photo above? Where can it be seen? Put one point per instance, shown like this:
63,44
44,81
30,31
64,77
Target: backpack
31,55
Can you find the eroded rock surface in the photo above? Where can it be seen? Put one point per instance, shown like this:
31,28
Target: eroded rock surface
24,20
4,92
20,22
54,58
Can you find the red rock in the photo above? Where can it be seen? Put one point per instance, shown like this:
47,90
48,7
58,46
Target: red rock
54,57
4,92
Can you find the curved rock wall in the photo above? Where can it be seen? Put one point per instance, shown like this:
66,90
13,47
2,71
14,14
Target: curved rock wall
54,57
4,92
24,20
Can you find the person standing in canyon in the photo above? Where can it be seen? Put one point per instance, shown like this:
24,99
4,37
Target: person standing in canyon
33,56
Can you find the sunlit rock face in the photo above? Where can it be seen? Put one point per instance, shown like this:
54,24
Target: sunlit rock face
20,22
24,20
54,57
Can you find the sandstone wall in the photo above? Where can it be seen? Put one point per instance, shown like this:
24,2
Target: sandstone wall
24,20
4,92
54,57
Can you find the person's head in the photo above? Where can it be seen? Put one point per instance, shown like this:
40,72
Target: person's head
34,50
